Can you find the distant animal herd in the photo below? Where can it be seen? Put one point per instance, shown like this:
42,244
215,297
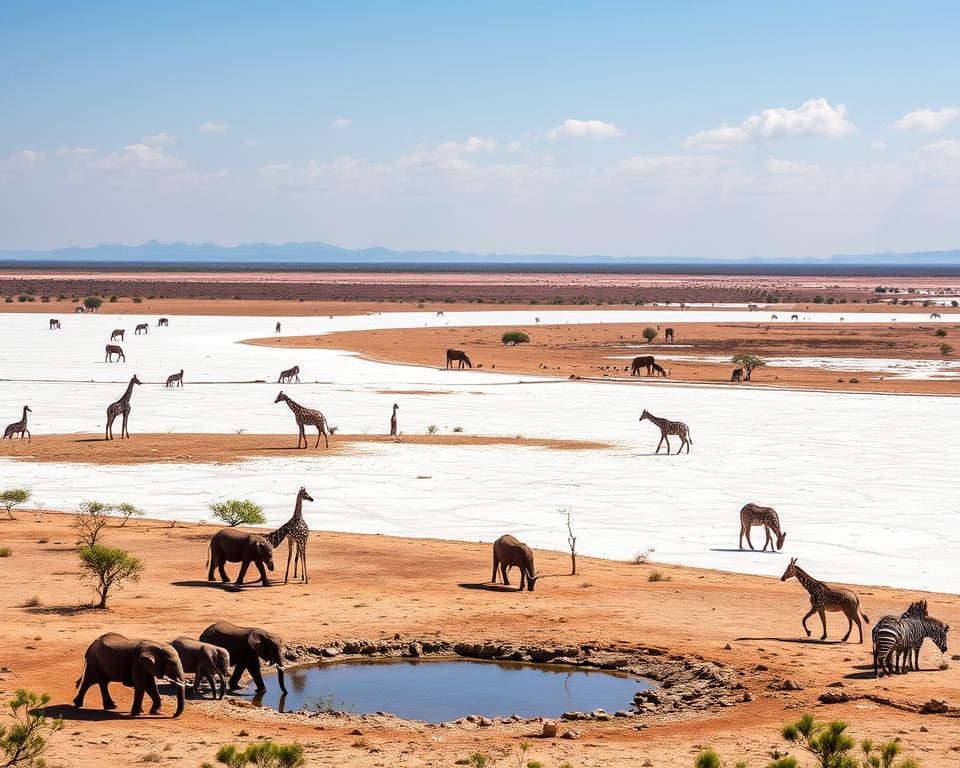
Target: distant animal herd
139,663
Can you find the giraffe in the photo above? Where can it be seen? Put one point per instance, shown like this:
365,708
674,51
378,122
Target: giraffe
287,376
669,428
55,324
296,532
117,334
393,421
753,514
175,379
114,349
824,598
19,427
141,327
306,416
118,408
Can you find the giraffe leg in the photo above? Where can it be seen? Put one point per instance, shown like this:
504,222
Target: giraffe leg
659,444
320,432
667,440
823,620
303,436
303,562
748,539
769,541
286,576
804,621
124,432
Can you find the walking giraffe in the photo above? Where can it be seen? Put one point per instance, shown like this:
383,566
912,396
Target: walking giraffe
306,416
296,532
120,408
825,598
668,427
175,379
19,427
753,514
393,421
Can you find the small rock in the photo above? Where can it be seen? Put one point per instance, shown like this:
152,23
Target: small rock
761,668
834,697
728,647
485,722
571,734
415,649
934,707
955,657
836,684
356,732
330,651
923,729
549,730
747,696
622,713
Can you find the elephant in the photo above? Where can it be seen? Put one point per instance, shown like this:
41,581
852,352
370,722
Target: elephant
204,661
644,361
247,646
737,375
508,552
459,357
231,546
137,664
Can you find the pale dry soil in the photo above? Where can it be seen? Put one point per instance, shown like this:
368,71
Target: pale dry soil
222,448
374,588
586,350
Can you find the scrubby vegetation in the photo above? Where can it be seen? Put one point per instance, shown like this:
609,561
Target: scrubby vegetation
749,362
93,303
513,338
23,742
238,511
13,497
107,567
263,754
90,520
649,333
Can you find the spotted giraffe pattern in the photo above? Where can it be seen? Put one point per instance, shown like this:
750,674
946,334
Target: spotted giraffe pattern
754,514
19,427
307,416
825,598
668,427
120,408
296,532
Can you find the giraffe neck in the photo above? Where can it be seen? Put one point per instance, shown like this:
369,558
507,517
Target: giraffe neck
658,421
292,405
809,583
128,393
298,509
24,414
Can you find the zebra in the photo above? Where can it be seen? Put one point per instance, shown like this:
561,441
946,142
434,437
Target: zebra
897,642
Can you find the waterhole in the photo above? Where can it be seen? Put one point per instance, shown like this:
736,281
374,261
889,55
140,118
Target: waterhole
442,690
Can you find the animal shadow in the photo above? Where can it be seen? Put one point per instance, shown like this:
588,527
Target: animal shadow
745,551
88,714
58,610
222,586
488,587
798,640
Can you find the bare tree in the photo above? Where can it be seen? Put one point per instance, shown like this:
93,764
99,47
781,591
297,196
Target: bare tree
567,513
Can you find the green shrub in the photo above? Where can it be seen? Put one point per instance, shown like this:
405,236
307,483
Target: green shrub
24,741
92,303
748,361
13,497
238,511
126,511
515,337
940,333
650,334
137,300
818,299
106,567
946,349
263,754
113,299
90,520
5,551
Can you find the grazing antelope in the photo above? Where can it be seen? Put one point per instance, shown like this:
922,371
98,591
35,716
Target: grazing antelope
141,328
54,324
117,334
825,598
288,376
175,379
668,427
114,349
459,357
644,361
163,322
753,514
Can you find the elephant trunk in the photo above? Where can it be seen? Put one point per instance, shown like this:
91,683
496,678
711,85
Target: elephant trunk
181,699
280,678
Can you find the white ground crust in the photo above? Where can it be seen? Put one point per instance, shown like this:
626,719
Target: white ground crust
866,485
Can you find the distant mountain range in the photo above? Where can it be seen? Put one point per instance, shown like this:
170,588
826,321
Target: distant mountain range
306,254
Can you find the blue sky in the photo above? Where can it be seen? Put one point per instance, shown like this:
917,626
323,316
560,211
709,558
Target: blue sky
697,129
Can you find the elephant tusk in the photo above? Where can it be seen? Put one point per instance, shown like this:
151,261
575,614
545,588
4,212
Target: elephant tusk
281,668
181,684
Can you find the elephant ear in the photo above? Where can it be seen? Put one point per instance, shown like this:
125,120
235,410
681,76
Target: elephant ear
148,661
256,641
223,660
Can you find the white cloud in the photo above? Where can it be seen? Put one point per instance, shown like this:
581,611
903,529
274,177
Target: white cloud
584,129
790,167
471,146
514,146
940,159
927,120
341,122
814,118
213,127
879,145
76,152
679,168
24,158
138,157
161,139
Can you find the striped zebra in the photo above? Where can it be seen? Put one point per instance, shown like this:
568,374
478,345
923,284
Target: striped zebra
897,641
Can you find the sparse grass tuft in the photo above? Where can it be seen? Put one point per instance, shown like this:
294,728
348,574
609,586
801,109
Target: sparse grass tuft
432,429
655,576
33,602
642,557
5,551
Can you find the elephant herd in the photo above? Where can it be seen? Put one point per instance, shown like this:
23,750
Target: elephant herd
138,664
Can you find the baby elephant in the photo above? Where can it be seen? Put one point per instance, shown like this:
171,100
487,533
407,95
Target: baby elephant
509,552
137,664
247,646
231,546
205,662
